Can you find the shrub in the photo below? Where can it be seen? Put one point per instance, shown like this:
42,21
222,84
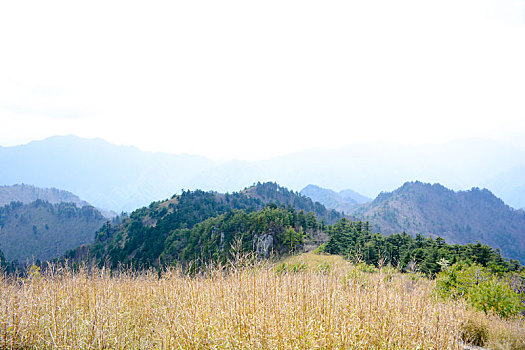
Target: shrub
474,331
482,289
366,268
321,249
290,268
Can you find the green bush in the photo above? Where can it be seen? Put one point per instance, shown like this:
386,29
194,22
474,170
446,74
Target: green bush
291,268
281,268
366,268
480,288
321,249
495,296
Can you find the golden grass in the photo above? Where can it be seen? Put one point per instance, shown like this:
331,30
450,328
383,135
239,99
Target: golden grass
250,307
314,260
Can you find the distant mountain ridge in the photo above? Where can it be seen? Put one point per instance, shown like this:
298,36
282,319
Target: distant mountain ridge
510,185
28,194
117,178
344,201
351,195
124,178
459,217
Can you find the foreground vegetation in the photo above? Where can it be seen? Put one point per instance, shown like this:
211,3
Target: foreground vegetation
307,301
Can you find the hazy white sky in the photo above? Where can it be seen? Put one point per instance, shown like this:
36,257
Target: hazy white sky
253,79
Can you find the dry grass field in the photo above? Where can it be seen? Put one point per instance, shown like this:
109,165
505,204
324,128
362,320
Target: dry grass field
307,302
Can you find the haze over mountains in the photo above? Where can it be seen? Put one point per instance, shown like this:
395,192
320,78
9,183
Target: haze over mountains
124,178
344,201
111,177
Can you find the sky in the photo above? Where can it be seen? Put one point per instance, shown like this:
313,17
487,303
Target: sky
255,79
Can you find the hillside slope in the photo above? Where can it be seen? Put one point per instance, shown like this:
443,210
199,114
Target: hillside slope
170,229
43,231
459,217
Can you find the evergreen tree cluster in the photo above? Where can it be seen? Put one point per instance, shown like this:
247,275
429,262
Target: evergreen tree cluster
200,225
3,261
354,240
216,239
270,192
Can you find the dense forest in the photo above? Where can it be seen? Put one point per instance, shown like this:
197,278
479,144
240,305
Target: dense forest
165,230
355,241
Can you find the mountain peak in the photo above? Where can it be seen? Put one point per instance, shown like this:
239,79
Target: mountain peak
458,216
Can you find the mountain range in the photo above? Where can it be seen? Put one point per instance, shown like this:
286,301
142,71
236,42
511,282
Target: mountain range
459,217
112,177
122,178
431,209
28,194
206,225
169,230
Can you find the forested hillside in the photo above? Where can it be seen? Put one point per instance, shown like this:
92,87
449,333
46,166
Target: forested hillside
167,230
42,231
271,192
459,217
